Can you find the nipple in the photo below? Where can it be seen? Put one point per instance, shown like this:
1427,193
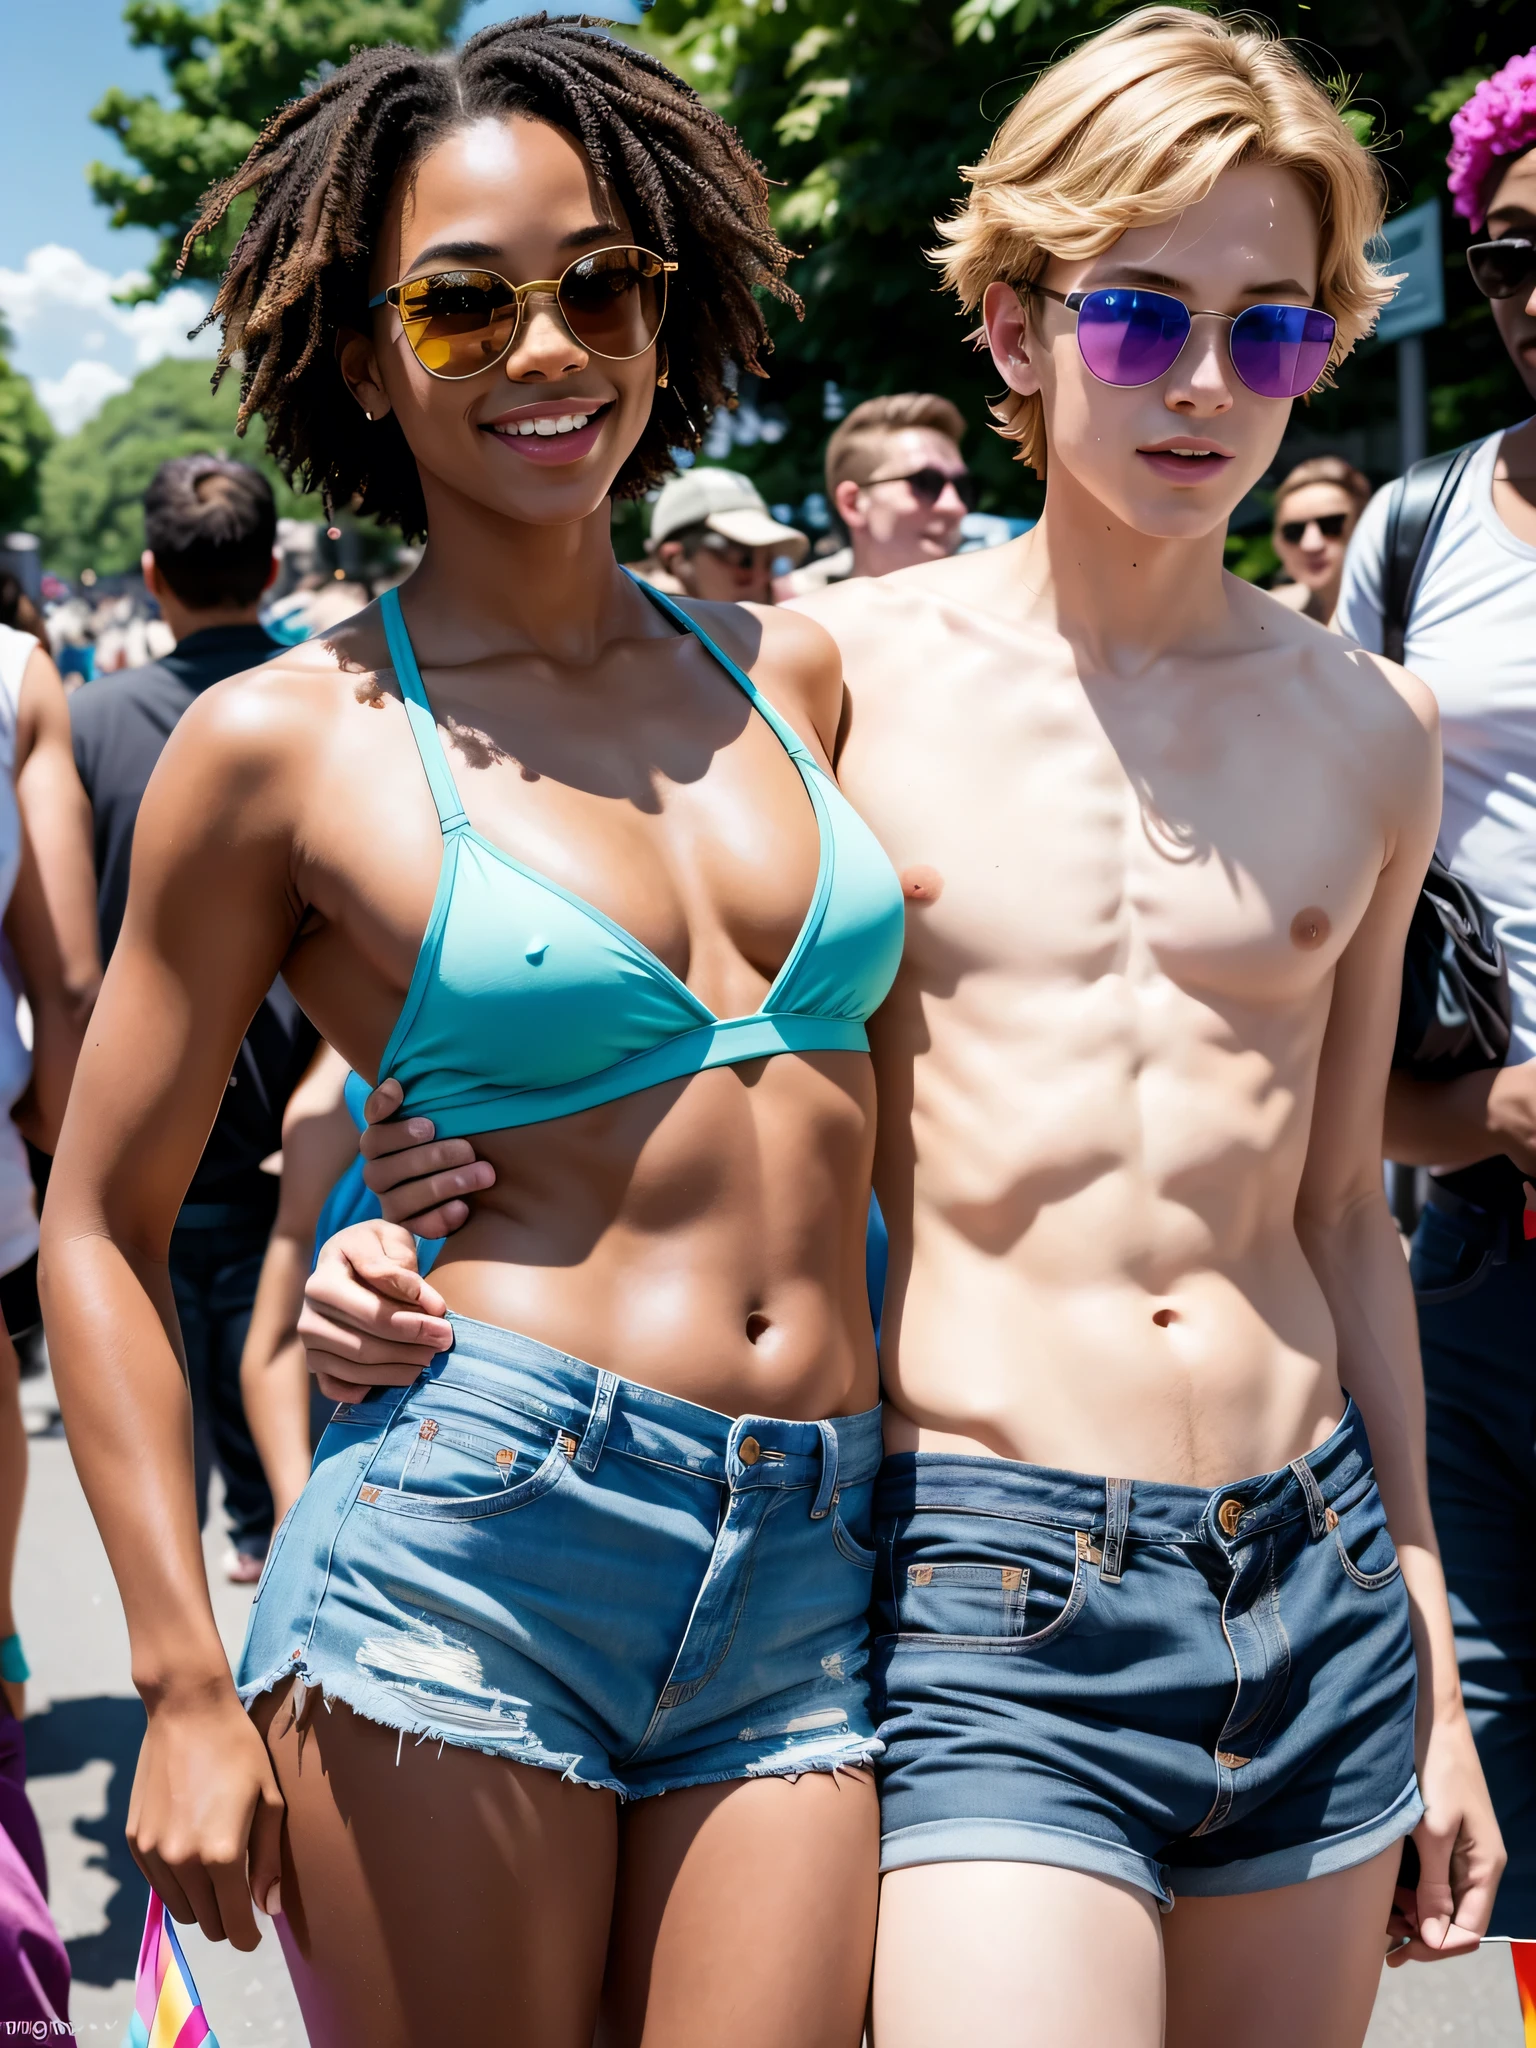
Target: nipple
922,884
535,950
1310,928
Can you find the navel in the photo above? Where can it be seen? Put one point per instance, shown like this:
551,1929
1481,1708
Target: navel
922,885
1310,928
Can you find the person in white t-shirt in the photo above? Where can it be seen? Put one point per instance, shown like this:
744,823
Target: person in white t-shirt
1471,635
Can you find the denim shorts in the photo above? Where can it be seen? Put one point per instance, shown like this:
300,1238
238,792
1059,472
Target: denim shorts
1195,1693
523,1555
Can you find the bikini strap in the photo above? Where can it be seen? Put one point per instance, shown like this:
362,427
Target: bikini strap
445,791
788,738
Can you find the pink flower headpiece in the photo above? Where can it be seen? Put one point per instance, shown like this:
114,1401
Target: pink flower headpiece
1498,121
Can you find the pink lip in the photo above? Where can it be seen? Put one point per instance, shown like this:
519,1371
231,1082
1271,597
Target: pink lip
1179,469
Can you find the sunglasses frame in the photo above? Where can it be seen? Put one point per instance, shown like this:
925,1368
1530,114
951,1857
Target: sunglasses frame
1526,279
959,480
546,286
1292,531
1073,301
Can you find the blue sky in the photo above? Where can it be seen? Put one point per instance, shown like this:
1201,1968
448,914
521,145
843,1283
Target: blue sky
59,259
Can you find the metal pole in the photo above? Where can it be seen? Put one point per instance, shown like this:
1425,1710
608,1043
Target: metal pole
1412,402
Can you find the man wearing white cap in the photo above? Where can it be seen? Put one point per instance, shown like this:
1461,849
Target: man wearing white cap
712,533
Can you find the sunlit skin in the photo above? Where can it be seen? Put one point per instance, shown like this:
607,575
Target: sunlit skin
1315,563
889,525
734,574
705,1238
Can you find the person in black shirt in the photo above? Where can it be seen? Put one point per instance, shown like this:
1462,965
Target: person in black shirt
210,525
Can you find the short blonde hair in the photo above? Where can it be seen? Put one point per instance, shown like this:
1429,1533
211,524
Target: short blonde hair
1137,124
857,448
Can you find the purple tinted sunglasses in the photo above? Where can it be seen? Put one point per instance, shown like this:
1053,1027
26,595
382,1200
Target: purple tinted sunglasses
1129,336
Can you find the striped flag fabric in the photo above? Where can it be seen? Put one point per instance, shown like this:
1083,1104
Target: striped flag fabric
167,2012
1524,1954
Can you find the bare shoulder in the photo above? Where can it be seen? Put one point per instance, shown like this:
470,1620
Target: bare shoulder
793,660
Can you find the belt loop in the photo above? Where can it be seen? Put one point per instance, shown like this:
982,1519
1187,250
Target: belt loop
1312,1493
595,1435
1117,1516
826,1493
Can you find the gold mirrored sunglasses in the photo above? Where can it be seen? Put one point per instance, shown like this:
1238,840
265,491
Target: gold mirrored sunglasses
462,321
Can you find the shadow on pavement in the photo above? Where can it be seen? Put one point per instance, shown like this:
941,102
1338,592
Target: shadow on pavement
70,1735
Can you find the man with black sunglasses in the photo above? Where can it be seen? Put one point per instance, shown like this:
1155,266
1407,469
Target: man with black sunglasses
1470,633
898,482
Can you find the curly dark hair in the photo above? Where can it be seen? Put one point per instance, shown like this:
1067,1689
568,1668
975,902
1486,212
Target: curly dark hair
322,171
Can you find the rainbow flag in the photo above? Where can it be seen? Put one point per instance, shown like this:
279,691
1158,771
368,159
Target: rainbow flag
1523,1954
167,2012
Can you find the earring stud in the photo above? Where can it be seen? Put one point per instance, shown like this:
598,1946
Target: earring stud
369,417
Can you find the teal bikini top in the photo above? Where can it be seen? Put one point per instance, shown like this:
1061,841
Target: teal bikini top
527,1003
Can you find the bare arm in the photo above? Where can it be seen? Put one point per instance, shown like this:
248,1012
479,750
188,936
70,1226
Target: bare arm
1456,1123
319,1144
212,910
1352,1246
51,921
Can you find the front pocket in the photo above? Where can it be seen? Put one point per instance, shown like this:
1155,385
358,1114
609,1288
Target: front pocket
985,1580
850,1546
455,1452
1364,1543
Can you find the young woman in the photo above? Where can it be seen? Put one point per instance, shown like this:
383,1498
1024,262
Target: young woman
567,861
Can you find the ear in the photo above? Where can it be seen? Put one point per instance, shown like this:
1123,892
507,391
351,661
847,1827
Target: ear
846,499
1007,328
669,552
359,366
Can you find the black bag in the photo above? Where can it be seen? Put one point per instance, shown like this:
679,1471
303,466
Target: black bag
1454,1017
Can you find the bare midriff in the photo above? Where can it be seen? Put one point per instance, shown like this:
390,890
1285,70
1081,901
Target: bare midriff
705,1238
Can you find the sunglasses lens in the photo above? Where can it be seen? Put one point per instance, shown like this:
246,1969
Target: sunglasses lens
1281,351
929,485
1503,268
457,321
613,301
1131,337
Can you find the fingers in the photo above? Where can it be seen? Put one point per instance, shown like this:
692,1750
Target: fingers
384,1102
1447,1914
355,1324
405,1134
394,1153
410,1197
266,1853
442,1221
352,1379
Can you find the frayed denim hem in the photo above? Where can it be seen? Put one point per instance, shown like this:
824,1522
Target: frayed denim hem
857,1756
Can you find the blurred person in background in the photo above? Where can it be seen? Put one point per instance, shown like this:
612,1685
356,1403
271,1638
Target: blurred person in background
17,609
715,538
898,482
1317,508
1471,634
209,525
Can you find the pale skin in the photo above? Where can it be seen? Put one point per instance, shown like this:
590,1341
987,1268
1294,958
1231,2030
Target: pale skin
1134,1108
1315,562
1456,1123
889,525
704,1238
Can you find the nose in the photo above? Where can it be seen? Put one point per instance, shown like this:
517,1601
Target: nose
1200,382
949,500
545,347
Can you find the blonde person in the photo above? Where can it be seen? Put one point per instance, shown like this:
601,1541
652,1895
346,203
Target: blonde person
898,482
1163,1654
1317,508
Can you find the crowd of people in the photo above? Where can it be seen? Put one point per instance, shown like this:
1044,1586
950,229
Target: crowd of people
690,1586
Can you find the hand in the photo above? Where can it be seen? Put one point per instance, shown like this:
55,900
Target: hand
1461,1853
369,1319
205,1819
418,1182
1512,1113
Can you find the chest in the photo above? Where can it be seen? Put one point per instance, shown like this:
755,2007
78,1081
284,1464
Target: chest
1061,834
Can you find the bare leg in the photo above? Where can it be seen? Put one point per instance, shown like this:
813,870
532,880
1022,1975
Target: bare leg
745,1912
449,1897
13,1488
1017,1955
1273,1969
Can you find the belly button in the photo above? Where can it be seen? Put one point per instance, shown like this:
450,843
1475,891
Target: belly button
757,1327
1310,928
1164,1316
922,884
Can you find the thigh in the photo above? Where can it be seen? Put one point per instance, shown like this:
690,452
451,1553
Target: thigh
745,1912
436,1895
1273,1969
1016,1955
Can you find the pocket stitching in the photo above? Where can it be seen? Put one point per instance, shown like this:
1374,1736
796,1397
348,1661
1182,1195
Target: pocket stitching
1369,1581
475,1506
850,1547
1070,1609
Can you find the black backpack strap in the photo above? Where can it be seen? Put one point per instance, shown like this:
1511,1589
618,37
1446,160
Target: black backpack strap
1420,501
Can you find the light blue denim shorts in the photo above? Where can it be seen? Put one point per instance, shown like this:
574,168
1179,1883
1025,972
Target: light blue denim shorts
521,1554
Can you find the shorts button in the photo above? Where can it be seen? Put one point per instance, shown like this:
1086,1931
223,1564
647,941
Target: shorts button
1229,1514
749,1450
1330,1519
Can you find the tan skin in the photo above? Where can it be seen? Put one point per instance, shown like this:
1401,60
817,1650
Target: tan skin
732,574
1315,563
704,1238
1456,1123
1130,1143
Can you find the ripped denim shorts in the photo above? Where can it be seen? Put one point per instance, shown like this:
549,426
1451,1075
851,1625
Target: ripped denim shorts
521,1554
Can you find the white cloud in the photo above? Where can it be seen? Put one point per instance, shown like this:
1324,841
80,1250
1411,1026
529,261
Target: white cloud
77,344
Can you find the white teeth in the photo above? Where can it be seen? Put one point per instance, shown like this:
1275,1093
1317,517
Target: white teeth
551,423
546,427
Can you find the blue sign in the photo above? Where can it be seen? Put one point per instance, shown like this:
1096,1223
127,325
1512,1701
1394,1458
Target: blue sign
1411,244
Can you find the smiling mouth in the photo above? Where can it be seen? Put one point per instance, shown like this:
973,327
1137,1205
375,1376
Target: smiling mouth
547,426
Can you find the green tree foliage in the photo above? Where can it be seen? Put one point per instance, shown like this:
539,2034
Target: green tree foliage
229,67
93,483
25,438
864,109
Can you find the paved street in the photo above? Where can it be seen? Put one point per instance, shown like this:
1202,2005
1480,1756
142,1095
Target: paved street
83,1733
